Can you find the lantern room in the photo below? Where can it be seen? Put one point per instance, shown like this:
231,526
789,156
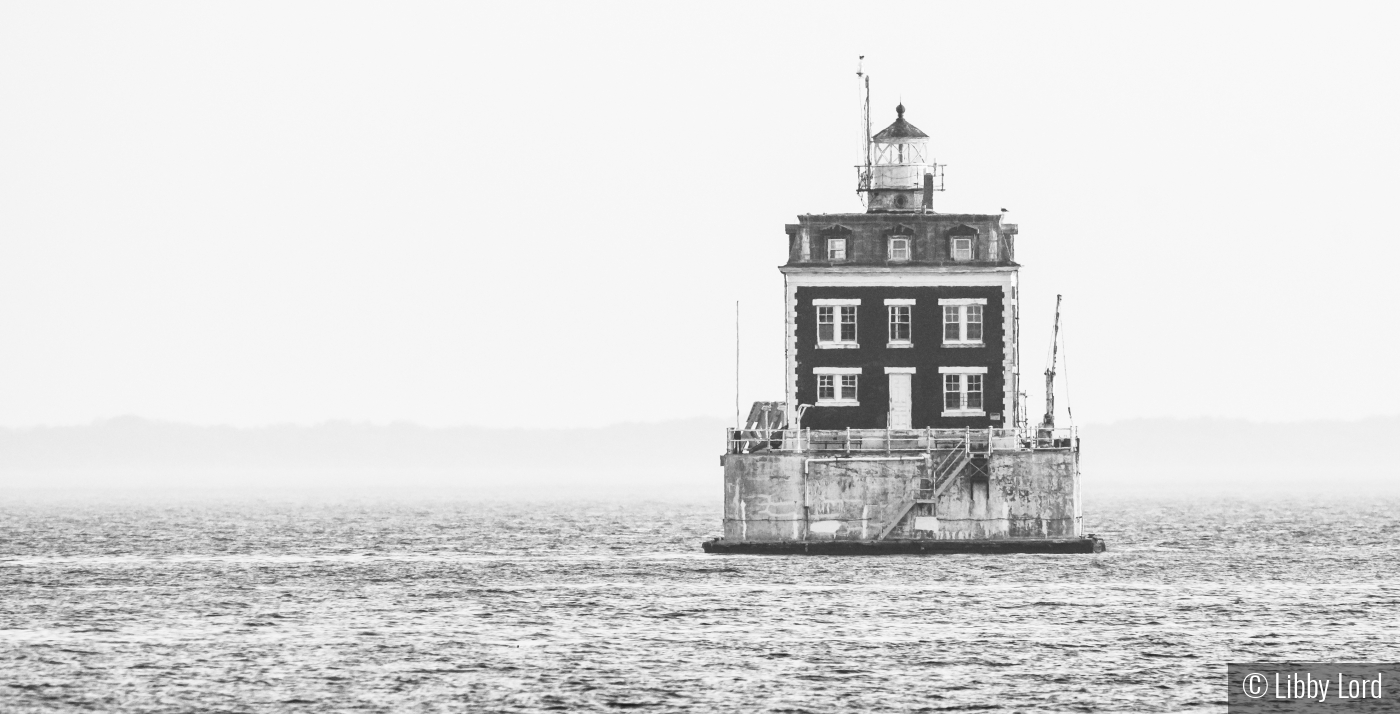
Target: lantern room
900,175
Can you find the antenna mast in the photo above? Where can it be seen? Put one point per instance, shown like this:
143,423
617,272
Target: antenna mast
863,183
865,123
738,420
1049,421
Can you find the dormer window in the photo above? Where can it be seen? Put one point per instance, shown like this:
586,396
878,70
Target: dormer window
835,248
962,249
899,249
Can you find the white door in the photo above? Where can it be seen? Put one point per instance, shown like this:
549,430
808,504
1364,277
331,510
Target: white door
899,401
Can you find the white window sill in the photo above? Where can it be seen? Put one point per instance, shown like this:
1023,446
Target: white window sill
964,413
964,344
897,345
838,345
838,403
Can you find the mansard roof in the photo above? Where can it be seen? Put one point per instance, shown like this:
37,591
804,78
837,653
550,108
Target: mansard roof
851,221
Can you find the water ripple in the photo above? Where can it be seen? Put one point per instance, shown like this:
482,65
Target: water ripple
601,607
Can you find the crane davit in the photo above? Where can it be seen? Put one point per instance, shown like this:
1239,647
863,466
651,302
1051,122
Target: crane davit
1048,422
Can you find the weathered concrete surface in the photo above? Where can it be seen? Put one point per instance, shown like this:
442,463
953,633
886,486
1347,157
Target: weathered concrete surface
1026,494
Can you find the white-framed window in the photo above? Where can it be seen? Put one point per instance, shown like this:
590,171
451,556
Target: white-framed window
962,249
962,320
964,391
835,248
837,386
836,323
962,323
899,249
911,153
899,323
901,314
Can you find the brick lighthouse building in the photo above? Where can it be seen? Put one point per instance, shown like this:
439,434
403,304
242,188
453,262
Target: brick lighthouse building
900,317
901,430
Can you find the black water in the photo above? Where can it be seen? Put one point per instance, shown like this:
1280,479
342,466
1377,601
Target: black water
597,607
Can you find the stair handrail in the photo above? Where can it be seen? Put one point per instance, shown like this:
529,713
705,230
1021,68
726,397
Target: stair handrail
950,475
939,472
949,459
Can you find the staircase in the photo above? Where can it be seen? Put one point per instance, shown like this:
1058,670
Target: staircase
940,477
945,473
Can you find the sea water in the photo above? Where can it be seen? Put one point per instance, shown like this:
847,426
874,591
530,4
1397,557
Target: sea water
493,606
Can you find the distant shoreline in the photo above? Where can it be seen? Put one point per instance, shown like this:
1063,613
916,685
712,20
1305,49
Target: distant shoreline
673,459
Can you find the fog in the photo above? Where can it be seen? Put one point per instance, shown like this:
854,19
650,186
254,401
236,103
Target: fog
676,460
541,215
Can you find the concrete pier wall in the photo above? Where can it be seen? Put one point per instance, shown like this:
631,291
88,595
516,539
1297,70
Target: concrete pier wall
784,497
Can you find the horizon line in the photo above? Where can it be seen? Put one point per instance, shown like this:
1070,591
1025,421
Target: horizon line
402,423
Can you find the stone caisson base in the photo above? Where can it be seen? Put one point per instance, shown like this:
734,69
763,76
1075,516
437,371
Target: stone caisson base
1085,544
1006,498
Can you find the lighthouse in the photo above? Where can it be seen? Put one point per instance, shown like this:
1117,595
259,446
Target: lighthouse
901,317
898,168
901,430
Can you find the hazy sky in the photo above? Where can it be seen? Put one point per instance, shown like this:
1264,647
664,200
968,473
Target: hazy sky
521,214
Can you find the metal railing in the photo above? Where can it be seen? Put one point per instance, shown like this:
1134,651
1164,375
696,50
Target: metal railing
978,442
